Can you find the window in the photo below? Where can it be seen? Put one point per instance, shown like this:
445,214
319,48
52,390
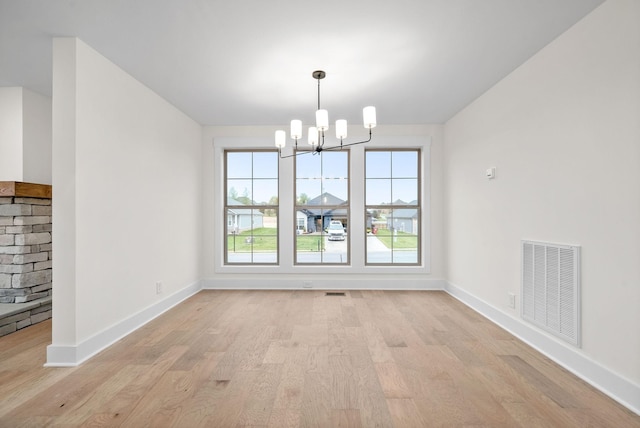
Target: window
251,207
322,208
392,207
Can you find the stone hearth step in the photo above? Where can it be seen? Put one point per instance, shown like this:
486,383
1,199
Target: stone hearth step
15,316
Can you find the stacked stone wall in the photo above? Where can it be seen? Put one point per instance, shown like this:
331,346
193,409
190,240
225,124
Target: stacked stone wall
25,249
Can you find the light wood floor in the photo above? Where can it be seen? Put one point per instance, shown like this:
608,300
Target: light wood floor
300,358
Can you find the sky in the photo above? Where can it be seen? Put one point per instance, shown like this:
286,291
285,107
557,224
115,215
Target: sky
390,176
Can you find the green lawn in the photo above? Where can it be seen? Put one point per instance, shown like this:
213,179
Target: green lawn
310,243
261,239
266,239
402,240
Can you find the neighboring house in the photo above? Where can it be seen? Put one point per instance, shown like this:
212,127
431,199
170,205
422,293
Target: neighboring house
240,219
404,219
301,222
319,218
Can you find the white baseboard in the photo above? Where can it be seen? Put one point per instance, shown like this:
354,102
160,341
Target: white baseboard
70,356
615,386
265,283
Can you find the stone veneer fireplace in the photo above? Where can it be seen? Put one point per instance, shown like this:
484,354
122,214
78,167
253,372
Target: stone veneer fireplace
25,253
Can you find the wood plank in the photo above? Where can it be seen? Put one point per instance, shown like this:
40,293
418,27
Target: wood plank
545,385
346,418
405,413
289,392
391,381
25,190
284,418
257,411
344,385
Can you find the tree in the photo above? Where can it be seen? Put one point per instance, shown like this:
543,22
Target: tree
233,193
270,212
245,197
303,199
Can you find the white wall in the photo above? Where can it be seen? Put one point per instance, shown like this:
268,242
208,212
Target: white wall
563,131
216,139
11,134
36,138
126,201
25,136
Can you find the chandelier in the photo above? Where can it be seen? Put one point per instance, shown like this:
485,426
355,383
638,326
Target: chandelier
315,134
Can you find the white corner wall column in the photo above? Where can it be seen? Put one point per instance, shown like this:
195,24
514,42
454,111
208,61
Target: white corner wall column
126,165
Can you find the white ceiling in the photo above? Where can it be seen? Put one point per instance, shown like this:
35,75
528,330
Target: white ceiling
249,62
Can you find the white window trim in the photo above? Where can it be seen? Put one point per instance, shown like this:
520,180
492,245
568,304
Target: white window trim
286,214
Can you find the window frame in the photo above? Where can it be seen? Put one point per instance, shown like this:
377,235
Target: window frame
253,207
299,207
393,207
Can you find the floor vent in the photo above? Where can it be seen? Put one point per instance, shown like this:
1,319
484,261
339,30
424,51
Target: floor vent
551,288
332,293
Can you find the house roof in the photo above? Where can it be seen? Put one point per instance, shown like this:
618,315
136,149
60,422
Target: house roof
326,199
231,203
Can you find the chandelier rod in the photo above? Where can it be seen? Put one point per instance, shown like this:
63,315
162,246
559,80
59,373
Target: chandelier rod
318,93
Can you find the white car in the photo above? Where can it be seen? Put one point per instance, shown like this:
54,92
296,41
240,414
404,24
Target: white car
335,231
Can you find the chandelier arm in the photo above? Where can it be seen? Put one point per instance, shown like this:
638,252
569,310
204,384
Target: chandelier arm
349,144
305,152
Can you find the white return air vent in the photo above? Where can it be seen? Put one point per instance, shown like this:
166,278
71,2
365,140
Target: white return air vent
551,288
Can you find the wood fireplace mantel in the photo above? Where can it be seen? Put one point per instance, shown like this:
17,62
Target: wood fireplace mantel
24,190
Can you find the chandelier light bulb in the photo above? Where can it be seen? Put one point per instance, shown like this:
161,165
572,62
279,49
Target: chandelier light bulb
281,139
341,129
296,129
313,136
322,120
369,117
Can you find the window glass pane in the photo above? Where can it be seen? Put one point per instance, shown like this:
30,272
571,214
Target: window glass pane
308,166
265,191
239,192
404,233
335,165
378,164
378,191
396,240
377,251
405,191
405,164
265,165
239,165
252,237
336,191
307,189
